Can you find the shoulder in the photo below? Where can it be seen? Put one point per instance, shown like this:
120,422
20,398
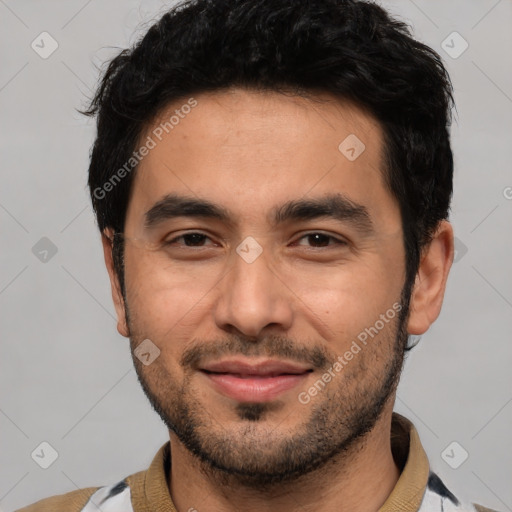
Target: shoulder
480,508
114,498
438,497
124,496
70,502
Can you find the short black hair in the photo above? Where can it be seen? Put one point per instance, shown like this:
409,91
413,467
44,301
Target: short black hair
351,49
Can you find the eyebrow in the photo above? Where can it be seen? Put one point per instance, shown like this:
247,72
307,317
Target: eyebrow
174,205
335,206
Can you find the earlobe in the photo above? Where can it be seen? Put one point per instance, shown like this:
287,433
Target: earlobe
117,296
430,285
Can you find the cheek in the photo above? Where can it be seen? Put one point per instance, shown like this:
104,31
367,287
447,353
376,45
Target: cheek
346,300
164,302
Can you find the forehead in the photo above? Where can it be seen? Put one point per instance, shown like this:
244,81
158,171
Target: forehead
251,151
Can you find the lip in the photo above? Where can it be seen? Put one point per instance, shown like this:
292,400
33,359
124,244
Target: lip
260,381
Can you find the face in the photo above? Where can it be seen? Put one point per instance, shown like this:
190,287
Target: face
266,265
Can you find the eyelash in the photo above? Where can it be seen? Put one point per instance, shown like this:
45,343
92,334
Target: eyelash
337,241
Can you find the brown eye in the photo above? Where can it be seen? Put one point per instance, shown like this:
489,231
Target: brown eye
189,239
321,240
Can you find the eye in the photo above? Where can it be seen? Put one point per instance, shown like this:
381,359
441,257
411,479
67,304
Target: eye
193,239
321,240
197,239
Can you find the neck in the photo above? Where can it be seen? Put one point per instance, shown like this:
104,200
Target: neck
357,480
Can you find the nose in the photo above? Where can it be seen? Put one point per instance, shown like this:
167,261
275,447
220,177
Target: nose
252,298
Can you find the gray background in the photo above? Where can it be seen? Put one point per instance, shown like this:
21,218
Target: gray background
66,375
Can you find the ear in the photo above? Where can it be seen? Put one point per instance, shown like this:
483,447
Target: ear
429,287
107,238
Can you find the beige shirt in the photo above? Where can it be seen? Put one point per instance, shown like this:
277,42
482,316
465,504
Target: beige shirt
417,489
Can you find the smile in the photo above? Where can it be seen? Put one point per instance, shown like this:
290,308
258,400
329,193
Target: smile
260,382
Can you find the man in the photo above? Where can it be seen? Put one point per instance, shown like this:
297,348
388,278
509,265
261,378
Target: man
272,182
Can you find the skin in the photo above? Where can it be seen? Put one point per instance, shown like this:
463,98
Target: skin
250,152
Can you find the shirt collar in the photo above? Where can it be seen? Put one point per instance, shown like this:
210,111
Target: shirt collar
405,497
410,488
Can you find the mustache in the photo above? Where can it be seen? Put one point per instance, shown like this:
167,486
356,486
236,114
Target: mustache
271,346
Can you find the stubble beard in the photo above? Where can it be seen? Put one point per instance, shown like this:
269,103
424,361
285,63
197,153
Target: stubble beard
258,454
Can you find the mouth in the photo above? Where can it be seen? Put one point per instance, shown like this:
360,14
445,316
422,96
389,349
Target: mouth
247,381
